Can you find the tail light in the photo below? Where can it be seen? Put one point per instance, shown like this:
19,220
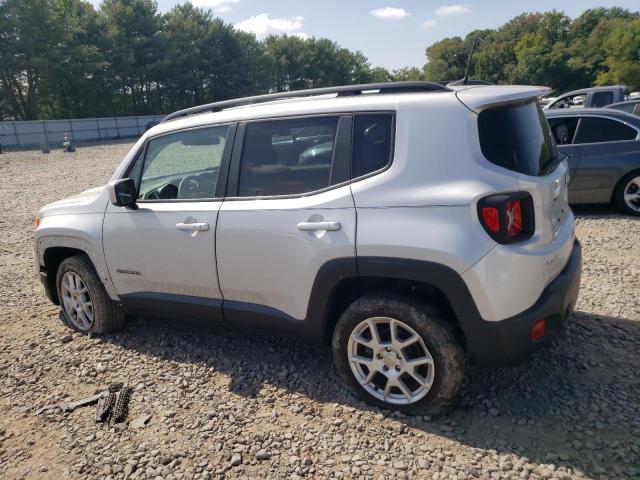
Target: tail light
507,217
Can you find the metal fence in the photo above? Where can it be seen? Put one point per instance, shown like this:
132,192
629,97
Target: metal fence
37,132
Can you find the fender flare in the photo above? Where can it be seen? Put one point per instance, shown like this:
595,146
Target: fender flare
45,242
445,279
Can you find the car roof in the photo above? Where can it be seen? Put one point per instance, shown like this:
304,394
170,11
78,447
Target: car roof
594,112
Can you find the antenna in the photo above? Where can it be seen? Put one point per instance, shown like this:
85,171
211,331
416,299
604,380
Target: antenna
465,79
466,70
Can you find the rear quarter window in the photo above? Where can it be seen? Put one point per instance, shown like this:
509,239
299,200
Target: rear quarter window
516,136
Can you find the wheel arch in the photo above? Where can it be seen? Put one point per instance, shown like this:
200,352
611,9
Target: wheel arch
51,250
52,258
340,282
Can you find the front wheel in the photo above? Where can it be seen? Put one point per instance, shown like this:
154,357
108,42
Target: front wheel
86,306
398,354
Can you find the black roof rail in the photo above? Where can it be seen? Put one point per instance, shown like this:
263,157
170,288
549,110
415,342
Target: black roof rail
347,90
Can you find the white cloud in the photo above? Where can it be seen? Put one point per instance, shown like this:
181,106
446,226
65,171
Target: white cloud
446,10
429,23
263,25
301,35
217,5
390,13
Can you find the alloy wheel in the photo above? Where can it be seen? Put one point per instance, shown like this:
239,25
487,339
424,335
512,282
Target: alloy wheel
390,360
76,301
632,194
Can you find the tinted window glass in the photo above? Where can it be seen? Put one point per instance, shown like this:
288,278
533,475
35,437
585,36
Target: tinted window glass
595,129
286,157
372,139
625,107
563,129
183,165
600,99
517,137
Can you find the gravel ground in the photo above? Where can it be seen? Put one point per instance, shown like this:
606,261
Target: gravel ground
224,404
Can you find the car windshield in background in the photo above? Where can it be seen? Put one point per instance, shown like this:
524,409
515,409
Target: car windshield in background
516,137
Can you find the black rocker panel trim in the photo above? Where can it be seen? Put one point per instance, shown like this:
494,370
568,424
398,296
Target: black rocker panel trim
168,305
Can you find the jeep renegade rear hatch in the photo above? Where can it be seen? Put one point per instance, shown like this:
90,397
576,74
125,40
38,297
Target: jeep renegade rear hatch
516,136
513,131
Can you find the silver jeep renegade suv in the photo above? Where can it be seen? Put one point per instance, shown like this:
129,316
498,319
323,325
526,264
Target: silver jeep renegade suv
402,223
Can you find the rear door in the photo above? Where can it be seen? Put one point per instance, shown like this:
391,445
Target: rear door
603,144
288,211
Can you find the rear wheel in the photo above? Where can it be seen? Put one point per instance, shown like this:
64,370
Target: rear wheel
86,306
398,354
627,193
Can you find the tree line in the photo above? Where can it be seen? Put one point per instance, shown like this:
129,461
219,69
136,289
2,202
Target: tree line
67,59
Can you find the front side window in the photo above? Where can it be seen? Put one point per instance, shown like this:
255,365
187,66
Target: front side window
596,130
625,107
182,165
287,157
372,143
517,137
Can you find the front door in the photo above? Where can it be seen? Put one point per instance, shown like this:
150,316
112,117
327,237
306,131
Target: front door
161,256
289,211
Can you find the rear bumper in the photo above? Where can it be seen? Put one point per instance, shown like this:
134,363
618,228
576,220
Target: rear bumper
508,342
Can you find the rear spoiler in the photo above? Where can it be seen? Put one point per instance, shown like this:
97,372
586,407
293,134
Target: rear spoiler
477,98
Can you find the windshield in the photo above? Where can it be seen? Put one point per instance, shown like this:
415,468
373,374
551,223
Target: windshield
516,136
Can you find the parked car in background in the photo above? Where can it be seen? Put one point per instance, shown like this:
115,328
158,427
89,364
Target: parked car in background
630,106
590,97
546,100
603,150
634,95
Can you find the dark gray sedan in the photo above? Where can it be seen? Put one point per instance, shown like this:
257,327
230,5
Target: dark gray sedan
603,150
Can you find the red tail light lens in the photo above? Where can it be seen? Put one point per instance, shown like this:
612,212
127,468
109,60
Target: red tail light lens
507,217
491,218
514,218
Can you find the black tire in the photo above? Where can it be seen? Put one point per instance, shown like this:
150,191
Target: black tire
429,324
108,317
618,194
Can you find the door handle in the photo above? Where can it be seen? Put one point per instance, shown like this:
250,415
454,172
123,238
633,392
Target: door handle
200,227
310,226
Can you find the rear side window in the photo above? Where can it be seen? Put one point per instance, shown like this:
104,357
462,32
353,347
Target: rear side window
372,143
563,129
516,137
596,130
287,157
600,99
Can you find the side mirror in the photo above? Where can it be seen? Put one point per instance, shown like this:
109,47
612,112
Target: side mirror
122,193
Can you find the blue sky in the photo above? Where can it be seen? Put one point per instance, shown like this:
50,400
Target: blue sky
390,33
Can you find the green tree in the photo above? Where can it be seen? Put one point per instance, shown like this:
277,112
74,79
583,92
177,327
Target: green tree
26,39
134,52
622,47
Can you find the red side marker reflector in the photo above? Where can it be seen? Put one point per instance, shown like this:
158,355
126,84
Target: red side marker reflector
491,218
538,329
